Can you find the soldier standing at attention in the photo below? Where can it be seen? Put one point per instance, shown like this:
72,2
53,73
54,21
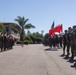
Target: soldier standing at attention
68,41
1,40
64,42
50,42
60,40
4,41
11,41
73,42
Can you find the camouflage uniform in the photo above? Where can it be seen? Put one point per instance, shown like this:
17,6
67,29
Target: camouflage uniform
1,42
64,42
73,42
68,40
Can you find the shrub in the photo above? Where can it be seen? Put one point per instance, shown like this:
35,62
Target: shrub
39,40
28,42
19,42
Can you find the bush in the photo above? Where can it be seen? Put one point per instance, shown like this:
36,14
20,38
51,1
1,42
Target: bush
28,42
1,27
27,38
19,42
39,40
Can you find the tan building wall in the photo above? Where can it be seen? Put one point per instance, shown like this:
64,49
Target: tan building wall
15,32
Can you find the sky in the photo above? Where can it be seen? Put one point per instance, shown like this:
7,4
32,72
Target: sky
41,13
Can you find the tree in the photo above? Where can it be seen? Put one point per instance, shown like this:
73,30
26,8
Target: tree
22,23
37,34
15,26
29,26
36,37
28,32
1,27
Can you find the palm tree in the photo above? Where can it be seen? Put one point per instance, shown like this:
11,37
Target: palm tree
29,26
15,26
22,24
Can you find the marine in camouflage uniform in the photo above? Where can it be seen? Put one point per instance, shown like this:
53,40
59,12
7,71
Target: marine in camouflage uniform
1,41
64,42
68,40
50,41
73,42
4,41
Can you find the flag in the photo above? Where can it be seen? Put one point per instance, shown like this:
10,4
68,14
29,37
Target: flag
55,29
58,28
52,25
51,29
51,32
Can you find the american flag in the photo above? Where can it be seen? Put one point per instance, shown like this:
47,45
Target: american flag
52,25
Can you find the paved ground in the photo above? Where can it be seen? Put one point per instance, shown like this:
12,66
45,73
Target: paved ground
34,60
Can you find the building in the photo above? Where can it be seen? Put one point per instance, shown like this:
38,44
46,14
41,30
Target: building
12,29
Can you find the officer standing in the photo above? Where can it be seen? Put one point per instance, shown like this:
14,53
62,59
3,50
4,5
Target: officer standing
73,42
1,40
64,41
60,40
68,40
4,41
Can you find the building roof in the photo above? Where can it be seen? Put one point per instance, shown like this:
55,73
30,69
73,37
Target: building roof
16,27
6,23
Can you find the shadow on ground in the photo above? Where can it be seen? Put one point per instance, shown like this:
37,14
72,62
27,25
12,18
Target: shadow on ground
51,49
5,50
74,65
70,60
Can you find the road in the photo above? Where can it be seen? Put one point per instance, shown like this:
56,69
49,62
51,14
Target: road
34,60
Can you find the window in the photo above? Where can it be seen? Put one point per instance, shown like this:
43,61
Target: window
7,29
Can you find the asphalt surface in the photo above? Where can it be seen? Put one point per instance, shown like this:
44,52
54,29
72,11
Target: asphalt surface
35,60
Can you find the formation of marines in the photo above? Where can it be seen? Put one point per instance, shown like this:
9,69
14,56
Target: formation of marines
69,42
66,41
6,42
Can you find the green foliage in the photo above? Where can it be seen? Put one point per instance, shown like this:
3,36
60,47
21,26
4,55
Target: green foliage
19,42
45,39
36,37
22,24
29,26
37,34
28,32
28,40
15,26
39,40
25,42
22,35
1,27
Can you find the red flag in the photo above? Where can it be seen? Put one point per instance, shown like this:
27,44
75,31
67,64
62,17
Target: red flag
51,32
56,29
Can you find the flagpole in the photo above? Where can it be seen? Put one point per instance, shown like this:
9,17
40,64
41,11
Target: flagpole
62,30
